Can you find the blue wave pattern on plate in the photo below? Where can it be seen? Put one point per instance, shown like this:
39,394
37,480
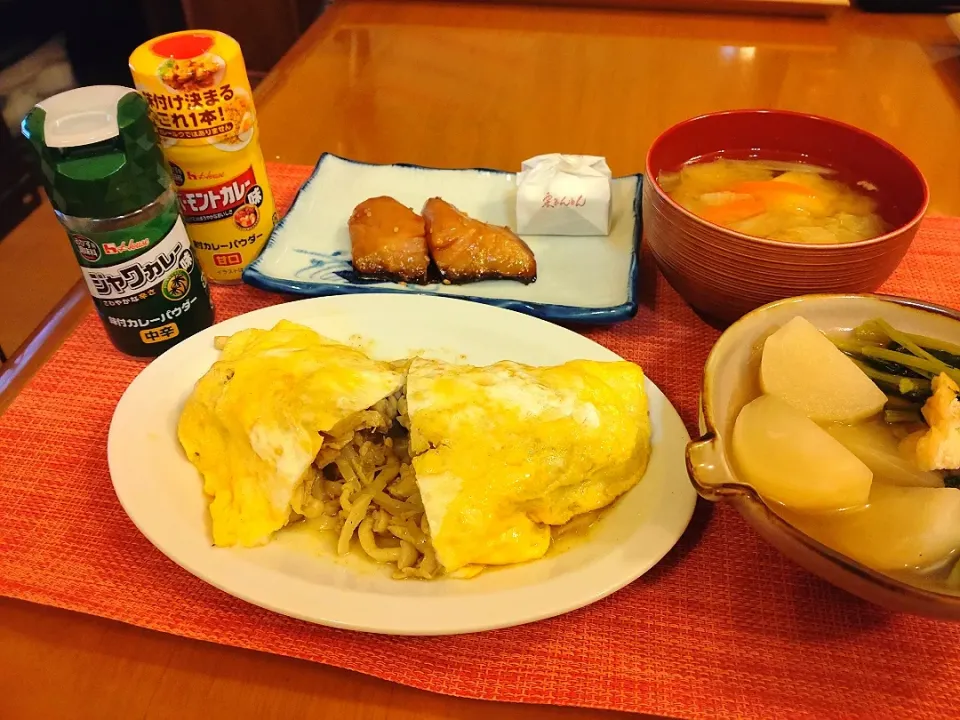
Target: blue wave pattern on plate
326,267
581,280
335,266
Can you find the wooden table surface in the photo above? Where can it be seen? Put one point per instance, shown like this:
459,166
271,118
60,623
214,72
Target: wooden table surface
480,85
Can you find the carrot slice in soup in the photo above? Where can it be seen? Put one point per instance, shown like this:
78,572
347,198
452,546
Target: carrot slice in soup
733,211
771,189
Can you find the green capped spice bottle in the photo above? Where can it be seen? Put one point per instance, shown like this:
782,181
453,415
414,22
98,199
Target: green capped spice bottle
112,191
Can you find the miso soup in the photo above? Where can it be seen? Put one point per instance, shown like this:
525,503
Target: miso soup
783,201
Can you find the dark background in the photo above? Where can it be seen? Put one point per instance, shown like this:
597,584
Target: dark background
98,36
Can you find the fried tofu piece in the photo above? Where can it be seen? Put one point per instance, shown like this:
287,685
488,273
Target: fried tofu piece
465,249
939,447
387,240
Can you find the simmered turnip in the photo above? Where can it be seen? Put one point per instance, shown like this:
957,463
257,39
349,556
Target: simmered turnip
901,528
877,446
789,459
804,369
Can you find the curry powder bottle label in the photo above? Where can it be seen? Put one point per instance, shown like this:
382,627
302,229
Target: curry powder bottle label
150,293
112,191
199,98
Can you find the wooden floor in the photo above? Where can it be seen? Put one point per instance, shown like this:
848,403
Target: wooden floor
37,269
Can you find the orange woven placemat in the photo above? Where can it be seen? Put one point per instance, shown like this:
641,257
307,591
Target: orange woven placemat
723,627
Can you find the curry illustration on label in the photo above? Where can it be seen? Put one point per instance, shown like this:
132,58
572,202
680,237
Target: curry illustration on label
176,284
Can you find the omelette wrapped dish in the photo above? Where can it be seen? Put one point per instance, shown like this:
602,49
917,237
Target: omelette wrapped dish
507,452
257,421
430,467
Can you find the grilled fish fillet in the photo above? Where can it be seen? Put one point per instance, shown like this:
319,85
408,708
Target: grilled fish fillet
388,241
465,249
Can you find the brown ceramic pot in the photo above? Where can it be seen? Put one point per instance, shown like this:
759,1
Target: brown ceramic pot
731,379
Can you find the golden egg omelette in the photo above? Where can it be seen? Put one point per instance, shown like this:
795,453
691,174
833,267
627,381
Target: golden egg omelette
429,467
504,452
257,419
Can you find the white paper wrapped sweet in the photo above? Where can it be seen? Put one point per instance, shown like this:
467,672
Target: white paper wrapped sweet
563,195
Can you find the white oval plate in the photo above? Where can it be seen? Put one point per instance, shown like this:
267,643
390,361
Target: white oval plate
298,574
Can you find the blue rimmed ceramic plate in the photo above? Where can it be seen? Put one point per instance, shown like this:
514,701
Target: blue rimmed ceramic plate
579,279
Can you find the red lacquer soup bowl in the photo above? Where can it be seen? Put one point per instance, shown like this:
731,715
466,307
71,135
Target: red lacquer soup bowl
725,274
